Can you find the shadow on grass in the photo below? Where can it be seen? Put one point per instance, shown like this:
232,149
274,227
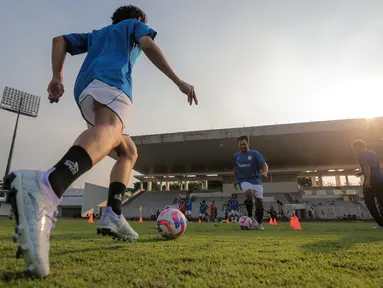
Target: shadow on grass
10,276
329,246
152,240
92,249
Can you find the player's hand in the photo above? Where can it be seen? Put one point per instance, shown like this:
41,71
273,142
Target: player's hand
55,90
188,90
264,174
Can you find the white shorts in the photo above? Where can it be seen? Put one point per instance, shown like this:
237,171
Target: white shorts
110,96
202,215
234,212
255,187
188,212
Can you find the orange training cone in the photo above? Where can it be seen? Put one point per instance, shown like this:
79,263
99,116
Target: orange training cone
140,221
90,220
271,221
275,222
297,225
292,221
227,220
199,220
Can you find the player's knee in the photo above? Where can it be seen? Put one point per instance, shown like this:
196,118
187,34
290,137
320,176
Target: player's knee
127,149
259,203
249,195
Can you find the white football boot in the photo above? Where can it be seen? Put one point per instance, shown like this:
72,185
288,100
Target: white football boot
35,207
260,227
116,226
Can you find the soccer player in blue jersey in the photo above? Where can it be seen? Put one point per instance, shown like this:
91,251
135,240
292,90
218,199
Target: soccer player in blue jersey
202,210
373,180
188,204
249,166
234,206
103,93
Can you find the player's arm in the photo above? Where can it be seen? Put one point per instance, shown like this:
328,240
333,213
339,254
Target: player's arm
366,159
367,175
155,55
235,177
265,169
71,43
55,86
263,165
58,57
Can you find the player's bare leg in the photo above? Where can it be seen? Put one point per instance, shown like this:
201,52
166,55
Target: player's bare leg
249,202
35,195
112,222
259,211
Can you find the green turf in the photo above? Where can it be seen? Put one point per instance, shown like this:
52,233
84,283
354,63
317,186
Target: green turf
208,255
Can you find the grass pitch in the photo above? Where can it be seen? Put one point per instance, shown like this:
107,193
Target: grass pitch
208,255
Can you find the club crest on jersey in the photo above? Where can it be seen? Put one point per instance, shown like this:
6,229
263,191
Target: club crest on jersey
249,157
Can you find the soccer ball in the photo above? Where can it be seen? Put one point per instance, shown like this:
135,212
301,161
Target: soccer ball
245,223
171,224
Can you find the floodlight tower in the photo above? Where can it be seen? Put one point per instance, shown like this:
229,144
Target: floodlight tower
21,103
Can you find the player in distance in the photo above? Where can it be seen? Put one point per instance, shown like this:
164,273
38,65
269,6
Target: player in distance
249,166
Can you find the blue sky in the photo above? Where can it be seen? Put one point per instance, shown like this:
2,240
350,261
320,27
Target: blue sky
252,63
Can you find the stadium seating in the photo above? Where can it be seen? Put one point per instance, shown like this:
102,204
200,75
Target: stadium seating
150,202
322,208
327,209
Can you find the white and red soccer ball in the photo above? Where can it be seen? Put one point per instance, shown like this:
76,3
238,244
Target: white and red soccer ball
171,223
245,223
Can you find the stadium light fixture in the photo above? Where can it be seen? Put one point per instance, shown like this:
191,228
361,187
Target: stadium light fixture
212,175
21,103
331,170
191,176
340,170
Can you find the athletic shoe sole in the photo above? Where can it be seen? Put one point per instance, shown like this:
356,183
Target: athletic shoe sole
26,249
115,236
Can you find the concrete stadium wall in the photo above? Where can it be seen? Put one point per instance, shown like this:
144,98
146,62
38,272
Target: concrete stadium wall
93,196
280,187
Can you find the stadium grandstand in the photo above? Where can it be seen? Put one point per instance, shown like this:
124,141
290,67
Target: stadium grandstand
312,168
312,171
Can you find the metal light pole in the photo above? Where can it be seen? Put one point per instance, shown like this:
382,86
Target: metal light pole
21,103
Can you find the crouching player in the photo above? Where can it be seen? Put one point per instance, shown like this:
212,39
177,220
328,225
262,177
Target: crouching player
249,166
234,207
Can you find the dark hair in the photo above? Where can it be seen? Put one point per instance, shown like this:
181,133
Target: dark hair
359,144
243,137
128,12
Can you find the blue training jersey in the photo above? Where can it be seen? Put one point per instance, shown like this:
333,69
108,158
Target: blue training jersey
369,158
233,204
203,208
248,167
188,204
112,53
